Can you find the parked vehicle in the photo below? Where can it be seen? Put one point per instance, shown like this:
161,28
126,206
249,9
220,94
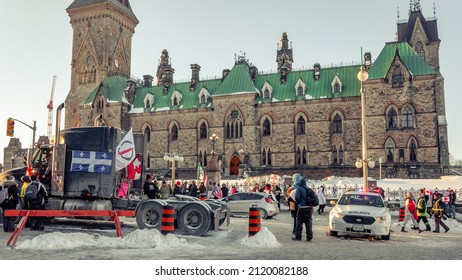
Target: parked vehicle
82,175
360,213
240,203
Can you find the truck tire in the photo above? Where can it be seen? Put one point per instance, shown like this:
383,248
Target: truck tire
149,214
195,218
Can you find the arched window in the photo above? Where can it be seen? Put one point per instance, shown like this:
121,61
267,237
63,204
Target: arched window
234,125
203,99
147,134
390,150
263,157
340,155
203,131
267,93
175,101
397,77
420,50
392,119
174,132
301,126
337,124
336,87
266,127
269,157
300,90
412,151
304,156
408,118
298,158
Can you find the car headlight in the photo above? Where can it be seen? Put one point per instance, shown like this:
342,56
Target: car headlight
381,218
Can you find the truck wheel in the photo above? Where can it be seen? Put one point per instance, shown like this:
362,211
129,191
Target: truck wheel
149,215
195,219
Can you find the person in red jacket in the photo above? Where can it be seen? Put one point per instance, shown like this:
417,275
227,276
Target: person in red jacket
411,213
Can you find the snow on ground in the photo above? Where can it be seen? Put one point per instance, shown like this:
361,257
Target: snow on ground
263,239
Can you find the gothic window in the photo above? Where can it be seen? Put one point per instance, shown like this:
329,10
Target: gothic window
420,50
174,132
267,93
390,150
234,125
200,159
304,156
412,151
301,126
147,134
392,119
334,155
266,127
301,156
203,131
266,157
99,104
269,158
397,77
205,158
203,100
176,98
148,104
175,101
336,88
267,90
337,124
300,91
408,118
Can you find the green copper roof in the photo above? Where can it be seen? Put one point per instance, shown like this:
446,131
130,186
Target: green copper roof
416,64
237,81
113,89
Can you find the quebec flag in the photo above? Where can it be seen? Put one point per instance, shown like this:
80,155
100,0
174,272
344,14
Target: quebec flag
88,161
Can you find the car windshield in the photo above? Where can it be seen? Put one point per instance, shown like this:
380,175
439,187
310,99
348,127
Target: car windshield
361,199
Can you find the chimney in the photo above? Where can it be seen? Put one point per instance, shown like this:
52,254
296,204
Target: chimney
148,79
317,71
195,69
253,73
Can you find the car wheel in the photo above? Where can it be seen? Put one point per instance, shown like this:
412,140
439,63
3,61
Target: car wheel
263,213
386,237
333,233
149,215
195,219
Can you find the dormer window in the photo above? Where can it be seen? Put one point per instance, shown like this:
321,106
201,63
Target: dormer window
176,98
267,90
203,96
336,85
397,77
148,101
300,88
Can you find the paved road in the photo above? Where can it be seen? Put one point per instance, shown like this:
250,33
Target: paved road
225,244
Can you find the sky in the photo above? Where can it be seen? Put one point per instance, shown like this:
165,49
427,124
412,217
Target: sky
37,36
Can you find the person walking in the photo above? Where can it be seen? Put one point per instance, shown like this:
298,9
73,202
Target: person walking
422,212
224,190
277,194
10,203
322,200
304,212
452,203
437,210
410,213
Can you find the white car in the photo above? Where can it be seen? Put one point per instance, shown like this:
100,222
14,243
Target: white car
360,213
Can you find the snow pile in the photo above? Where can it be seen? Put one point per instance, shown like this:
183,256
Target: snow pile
138,239
263,239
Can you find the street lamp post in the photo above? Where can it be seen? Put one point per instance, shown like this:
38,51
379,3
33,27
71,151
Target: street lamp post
213,139
364,162
173,158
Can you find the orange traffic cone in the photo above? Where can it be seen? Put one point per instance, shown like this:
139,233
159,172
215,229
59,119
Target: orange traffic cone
254,221
168,220
402,214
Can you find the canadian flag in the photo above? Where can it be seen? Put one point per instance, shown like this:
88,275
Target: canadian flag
134,168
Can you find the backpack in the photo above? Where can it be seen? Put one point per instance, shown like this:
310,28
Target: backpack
31,191
312,199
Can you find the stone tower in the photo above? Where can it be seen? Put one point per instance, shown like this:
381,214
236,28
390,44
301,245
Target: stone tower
422,34
101,46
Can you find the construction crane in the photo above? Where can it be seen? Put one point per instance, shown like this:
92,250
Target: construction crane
50,108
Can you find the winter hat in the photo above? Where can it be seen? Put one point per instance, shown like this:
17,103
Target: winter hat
178,183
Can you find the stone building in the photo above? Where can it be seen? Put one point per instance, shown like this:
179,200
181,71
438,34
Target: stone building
306,121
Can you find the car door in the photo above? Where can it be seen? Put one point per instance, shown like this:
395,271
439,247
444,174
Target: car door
235,202
253,200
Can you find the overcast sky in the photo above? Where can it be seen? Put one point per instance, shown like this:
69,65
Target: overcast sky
36,42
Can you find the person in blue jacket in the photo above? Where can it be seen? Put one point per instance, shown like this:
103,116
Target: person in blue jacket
304,212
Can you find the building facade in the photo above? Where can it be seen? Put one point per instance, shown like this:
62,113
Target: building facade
306,121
